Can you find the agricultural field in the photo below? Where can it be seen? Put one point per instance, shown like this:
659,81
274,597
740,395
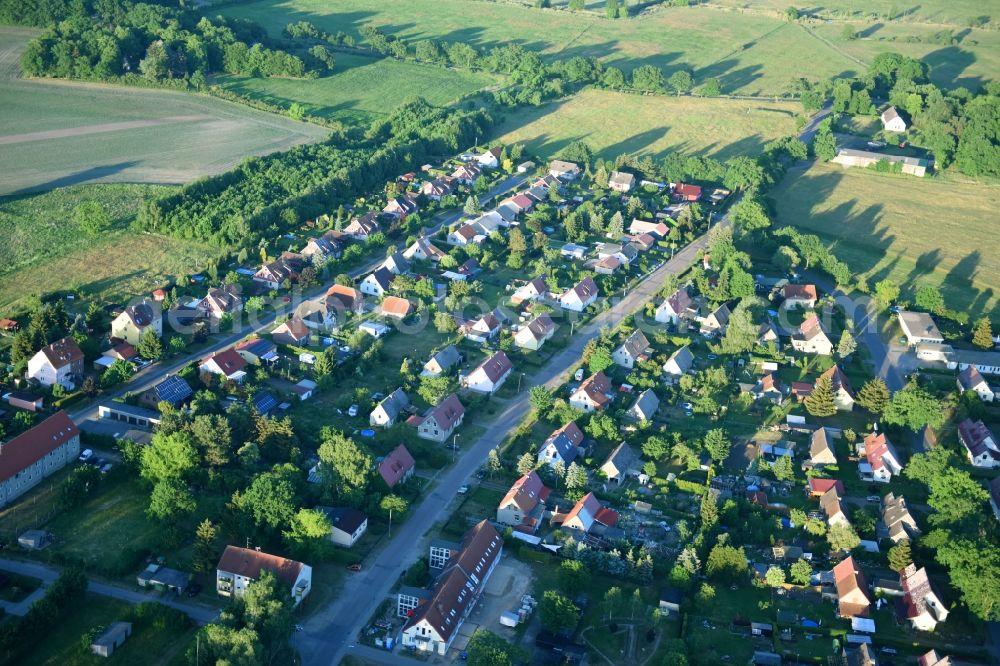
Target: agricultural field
756,54
970,61
656,125
361,88
959,13
58,134
911,230
44,251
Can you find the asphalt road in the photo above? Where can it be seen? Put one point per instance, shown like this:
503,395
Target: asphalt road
330,633
865,315
202,615
155,373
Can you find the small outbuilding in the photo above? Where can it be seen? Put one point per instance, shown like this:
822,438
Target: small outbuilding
112,639
34,539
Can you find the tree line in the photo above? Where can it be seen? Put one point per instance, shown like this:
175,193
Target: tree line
249,203
115,40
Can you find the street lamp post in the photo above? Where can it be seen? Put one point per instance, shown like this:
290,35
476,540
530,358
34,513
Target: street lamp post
454,447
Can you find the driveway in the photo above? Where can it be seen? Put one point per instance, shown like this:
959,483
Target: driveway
202,615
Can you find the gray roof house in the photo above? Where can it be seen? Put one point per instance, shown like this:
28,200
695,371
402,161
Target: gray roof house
631,350
622,461
679,363
388,410
112,638
645,406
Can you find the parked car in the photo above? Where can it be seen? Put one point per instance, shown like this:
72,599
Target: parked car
354,567
193,589
353,410
106,467
579,375
874,499
464,489
86,455
687,406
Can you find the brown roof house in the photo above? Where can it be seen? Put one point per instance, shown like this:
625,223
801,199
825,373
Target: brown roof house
360,228
587,515
397,467
135,320
345,299
921,605
852,590
802,296
820,450
621,181
674,307
843,394
58,363
439,422
490,375
423,250
273,274
971,379
535,333
980,444
227,364
395,307
594,394
811,338
220,301
523,507
896,523
239,567
435,622
580,296
292,332
35,454
483,329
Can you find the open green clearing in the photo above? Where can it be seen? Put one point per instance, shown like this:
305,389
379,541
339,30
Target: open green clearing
44,251
58,134
361,88
614,123
751,54
911,230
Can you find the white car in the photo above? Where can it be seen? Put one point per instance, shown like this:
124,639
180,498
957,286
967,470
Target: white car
687,406
579,375
353,411
86,455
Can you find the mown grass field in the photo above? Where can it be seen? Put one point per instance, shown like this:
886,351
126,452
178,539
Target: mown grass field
912,230
614,123
951,12
57,134
151,644
751,53
44,250
361,88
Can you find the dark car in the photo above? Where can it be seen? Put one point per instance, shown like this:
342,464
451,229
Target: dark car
193,589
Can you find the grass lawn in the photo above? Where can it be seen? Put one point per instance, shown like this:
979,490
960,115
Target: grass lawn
880,225
17,587
58,134
150,643
655,125
756,54
956,13
361,88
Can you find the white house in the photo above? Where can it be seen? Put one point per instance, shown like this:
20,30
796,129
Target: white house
922,606
679,363
622,462
673,308
919,328
594,394
435,622
523,506
58,363
389,408
347,525
798,296
535,333
441,361
580,296
423,250
378,282
565,171
491,158
811,338
440,422
483,329
882,458
621,181
563,445
588,514
490,375
980,444
645,406
36,454
227,364
892,121
464,235
971,379
396,264
632,350
239,567
529,291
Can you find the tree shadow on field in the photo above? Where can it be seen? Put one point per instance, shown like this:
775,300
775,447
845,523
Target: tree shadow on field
948,64
93,173
635,144
961,294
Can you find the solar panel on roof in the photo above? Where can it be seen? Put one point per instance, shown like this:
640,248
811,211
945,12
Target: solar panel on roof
264,402
173,389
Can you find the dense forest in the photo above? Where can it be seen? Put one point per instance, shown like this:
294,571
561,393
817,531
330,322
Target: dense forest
111,40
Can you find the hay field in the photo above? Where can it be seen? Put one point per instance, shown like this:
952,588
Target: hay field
45,251
750,53
54,134
614,123
361,88
938,230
